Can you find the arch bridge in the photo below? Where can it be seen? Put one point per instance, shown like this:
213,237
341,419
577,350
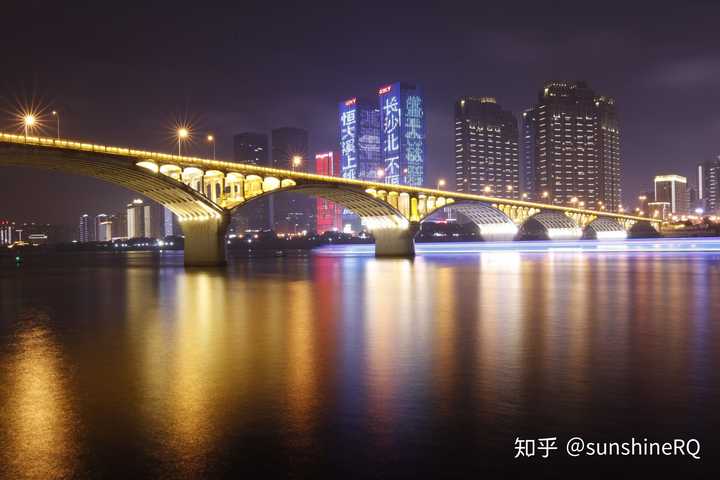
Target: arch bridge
203,193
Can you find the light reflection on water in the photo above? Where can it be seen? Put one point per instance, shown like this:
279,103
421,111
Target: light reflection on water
344,363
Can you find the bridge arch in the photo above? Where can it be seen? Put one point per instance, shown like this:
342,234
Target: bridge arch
549,226
492,223
603,228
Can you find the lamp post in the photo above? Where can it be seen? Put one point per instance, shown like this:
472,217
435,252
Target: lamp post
545,195
56,114
28,122
440,183
380,173
211,140
296,161
182,135
487,189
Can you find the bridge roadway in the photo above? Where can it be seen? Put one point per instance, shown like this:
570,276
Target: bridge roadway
203,193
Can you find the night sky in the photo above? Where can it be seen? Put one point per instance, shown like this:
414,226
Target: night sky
121,75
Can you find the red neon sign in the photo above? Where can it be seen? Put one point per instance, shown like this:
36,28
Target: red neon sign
352,101
384,89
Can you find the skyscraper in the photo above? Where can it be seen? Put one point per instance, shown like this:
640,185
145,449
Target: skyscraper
86,229
672,189
402,120
252,148
292,213
329,214
360,143
6,232
709,186
486,148
529,121
103,228
574,151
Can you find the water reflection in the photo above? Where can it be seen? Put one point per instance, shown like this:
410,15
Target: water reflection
347,361
39,431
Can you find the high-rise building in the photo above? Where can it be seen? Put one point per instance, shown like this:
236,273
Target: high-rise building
709,186
329,214
402,120
574,151
672,189
292,213
486,148
252,148
360,142
529,121
6,232
86,229
119,228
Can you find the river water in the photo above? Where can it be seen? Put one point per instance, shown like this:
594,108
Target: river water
337,364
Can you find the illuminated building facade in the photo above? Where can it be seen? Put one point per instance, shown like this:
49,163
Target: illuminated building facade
360,143
252,148
486,148
329,214
574,152
291,213
6,232
672,189
86,229
709,186
103,228
529,121
402,121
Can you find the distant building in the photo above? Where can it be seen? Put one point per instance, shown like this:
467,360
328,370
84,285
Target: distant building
574,151
709,186
402,120
103,228
529,122
145,220
119,228
486,148
6,232
329,214
672,189
86,229
292,213
360,143
252,148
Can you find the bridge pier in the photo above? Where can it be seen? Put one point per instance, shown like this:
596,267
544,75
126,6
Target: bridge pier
395,242
205,241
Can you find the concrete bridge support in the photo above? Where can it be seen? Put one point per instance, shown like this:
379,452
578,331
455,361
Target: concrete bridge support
205,241
395,242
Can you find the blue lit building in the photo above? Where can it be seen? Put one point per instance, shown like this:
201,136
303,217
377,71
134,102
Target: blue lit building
402,120
360,142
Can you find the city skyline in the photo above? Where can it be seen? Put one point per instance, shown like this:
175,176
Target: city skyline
663,79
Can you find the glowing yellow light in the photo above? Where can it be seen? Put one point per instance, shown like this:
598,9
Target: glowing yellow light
545,195
441,183
183,133
54,112
296,160
29,120
487,189
380,172
210,138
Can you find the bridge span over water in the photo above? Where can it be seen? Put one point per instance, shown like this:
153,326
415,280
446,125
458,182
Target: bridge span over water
203,194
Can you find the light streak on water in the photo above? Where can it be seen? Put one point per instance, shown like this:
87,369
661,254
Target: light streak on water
663,245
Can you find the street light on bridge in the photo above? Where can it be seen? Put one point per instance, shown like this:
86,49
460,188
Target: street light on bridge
29,121
440,183
380,173
211,140
296,161
183,134
56,114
